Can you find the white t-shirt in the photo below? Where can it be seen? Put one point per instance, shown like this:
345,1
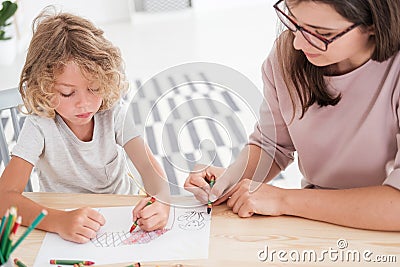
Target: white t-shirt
64,163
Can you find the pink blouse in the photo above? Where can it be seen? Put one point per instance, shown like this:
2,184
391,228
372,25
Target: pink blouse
348,145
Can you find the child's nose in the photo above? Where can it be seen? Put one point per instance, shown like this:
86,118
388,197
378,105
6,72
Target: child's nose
83,100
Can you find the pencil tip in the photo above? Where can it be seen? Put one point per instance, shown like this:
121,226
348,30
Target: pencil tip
208,210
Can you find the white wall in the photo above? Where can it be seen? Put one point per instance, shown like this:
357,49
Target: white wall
221,4
98,11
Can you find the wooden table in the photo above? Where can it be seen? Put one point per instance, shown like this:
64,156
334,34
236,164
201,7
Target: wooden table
237,242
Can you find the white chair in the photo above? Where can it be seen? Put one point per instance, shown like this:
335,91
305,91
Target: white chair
9,100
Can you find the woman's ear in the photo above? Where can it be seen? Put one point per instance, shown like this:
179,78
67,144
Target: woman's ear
371,30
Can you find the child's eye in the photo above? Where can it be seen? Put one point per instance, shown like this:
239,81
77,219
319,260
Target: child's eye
66,95
94,90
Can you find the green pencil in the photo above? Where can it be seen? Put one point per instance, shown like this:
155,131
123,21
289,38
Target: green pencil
72,262
7,230
30,228
19,263
11,237
3,222
2,260
209,204
7,250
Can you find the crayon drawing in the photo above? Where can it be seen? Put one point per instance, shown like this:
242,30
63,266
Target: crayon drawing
143,237
124,238
192,220
186,236
110,239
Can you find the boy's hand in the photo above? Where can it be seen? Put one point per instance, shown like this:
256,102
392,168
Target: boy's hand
79,225
151,217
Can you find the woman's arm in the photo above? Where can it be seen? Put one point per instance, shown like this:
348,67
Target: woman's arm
375,208
78,225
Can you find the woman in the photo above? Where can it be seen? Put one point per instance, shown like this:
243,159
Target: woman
331,93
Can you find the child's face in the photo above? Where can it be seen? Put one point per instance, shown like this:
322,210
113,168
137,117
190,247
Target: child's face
350,50
76,97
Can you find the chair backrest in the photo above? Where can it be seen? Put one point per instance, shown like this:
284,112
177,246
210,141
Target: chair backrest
9,100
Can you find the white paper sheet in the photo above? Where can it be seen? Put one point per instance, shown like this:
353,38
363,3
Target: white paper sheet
185,237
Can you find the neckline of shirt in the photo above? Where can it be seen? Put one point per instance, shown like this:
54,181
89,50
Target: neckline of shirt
73,137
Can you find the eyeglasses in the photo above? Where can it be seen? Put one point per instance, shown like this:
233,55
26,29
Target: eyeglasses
315,40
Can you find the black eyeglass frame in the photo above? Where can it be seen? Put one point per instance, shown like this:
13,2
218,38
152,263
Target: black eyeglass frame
302,29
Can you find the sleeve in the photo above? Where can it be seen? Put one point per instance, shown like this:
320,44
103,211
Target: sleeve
393,179
125,128
30,143
271,132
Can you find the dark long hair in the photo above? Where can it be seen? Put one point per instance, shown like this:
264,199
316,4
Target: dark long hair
305,81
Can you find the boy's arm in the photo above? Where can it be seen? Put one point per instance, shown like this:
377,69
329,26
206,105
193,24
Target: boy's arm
154,216
12,184
153,176
77,225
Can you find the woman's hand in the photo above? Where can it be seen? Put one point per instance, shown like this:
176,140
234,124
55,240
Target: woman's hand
151,217
198,181
249,197
79,225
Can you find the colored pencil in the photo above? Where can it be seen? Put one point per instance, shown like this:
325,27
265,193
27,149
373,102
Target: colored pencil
3,223
7,230
17,223
7,251
137,264
12,236
19,263
2,260
135,223
209,204
71,262
38,219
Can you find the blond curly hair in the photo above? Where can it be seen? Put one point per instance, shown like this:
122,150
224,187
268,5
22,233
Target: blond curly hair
59,38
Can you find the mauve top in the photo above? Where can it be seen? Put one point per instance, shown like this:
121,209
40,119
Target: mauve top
353,144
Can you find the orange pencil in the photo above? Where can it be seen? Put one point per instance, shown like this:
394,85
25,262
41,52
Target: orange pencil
133,227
